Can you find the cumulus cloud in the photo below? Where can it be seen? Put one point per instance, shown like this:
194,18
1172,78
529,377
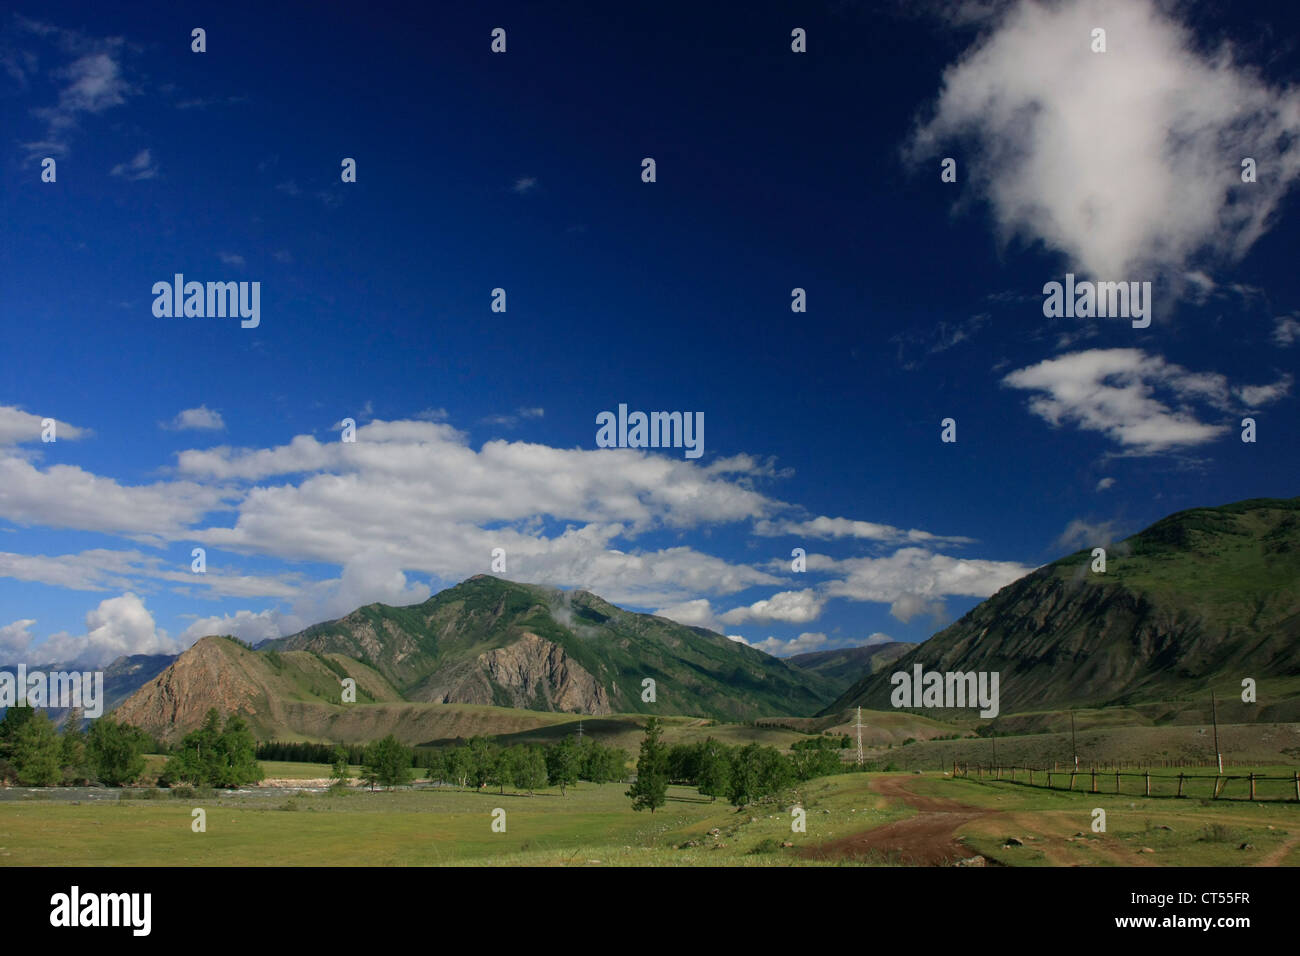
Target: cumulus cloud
197,419
914,581
696,613
525,184
1125,161
1142,402
118,626
232,259
253,627
1105,483
793,607
14,639
20,427
808,641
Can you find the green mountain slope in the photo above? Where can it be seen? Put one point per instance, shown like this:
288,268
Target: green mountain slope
1204,595
843,666
490,641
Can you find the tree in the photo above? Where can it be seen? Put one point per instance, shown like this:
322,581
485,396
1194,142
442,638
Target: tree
72,749
530,769
743,786
340,773
650,789
36,752
482,762
563,761
457,761
602,764
216,756
714,769
504,771
388,763
115,752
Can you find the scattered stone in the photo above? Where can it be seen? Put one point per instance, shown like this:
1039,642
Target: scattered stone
714,832
1246,846
973,861
787,843
1080,833
1146,849
1165,826
1011,841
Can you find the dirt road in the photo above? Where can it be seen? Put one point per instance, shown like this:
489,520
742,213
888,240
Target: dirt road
927,839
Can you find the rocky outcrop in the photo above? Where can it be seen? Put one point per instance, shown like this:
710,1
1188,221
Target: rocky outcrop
204,676
533,668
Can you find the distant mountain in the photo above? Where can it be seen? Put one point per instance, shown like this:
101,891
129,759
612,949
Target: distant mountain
844,666
122,678
1208,595
485,641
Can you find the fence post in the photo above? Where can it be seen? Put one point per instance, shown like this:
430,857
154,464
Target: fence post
1117,781
1297,784
1252,785
1180,784
1094,779
1148,783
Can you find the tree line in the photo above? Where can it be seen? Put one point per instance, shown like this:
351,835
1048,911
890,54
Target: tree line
742,775
481,762
35,754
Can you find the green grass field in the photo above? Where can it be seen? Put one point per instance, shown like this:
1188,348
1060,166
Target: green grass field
595,825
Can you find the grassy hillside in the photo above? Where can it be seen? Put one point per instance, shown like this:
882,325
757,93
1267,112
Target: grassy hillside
1205,597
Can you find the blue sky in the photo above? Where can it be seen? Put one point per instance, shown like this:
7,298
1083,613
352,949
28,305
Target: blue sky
775,170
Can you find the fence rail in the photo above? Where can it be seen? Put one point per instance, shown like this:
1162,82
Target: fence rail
1058,779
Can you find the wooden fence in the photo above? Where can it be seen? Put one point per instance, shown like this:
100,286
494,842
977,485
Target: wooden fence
1096,780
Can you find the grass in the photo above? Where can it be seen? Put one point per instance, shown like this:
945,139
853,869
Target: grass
594,825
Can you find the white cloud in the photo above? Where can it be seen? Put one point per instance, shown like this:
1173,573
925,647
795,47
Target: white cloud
696,613
824,527
197,419
253,627
20,427
1105,483
808,641
794,607
14,639
1139,401
118,626
232,259
914,581
525,184
140,167
1125,160
1286,331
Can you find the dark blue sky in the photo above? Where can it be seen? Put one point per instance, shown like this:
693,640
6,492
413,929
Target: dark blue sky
522,171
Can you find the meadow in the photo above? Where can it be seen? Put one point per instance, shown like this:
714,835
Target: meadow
595,825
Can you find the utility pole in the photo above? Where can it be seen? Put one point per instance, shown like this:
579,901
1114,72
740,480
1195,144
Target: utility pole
995,748
579,730
1214,716
1073,745
859,736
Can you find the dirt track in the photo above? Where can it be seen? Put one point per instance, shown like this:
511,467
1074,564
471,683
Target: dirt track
926,839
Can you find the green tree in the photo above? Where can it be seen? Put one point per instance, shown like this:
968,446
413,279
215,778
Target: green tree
563,763
714,769
388,763
216,756
743,786
457,761
37,750
482,762
650,789
115,752
530,769
339,773
72,749
504,771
